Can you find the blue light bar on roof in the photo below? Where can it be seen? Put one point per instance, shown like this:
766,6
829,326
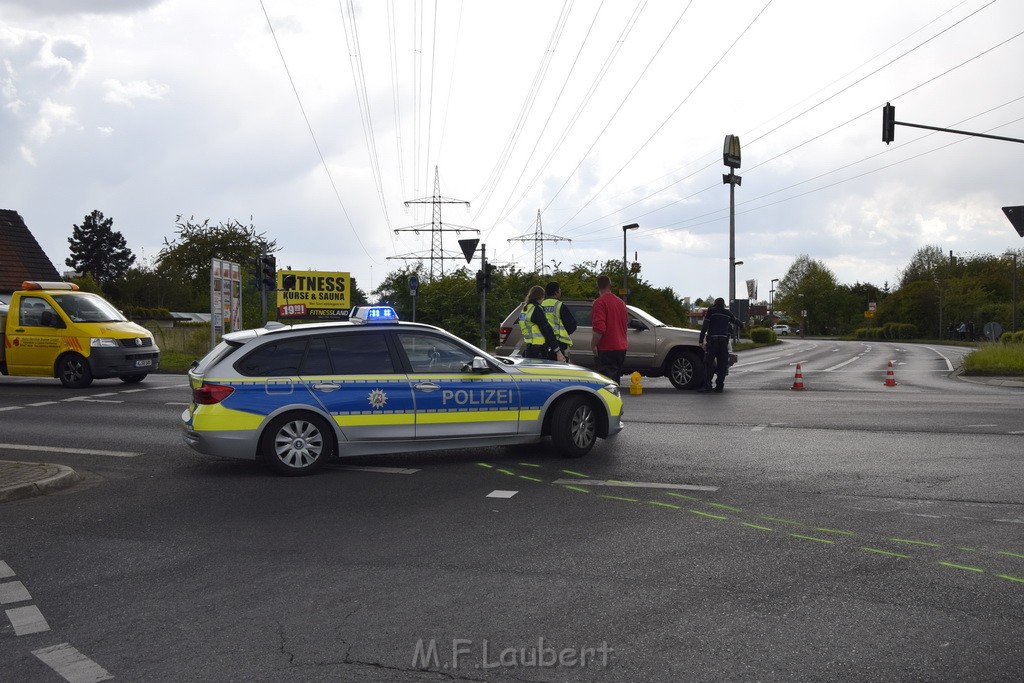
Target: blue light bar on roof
373,314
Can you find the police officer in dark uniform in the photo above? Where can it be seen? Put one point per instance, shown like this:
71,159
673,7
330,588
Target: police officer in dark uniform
719,325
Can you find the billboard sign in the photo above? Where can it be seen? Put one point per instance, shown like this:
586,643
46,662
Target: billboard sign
313,294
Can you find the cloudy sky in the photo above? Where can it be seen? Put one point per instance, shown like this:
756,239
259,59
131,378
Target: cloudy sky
318,120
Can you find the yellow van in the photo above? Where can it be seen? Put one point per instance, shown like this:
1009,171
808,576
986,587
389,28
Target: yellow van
51,329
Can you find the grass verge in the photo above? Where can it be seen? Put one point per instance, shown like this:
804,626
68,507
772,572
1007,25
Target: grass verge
993,358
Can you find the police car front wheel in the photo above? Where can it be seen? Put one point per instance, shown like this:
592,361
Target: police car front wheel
574,426
297,444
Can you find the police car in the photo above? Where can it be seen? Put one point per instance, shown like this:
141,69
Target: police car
297,396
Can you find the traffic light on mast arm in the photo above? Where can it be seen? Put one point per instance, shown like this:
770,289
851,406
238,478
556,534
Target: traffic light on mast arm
888,123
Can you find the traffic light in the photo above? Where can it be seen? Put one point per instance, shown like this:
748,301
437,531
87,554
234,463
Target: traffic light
483,278
888,123
268,272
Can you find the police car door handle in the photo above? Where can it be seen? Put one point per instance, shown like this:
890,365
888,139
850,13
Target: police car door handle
326,386
426,386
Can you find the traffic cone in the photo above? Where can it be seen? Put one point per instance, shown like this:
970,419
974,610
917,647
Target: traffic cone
890,377
798,380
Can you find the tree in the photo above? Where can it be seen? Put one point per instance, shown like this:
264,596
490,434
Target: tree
186,259
97,250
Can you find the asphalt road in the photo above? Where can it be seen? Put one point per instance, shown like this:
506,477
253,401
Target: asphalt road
849,531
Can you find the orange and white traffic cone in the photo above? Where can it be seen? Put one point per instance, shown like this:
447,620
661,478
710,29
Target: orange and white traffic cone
798,380
890,377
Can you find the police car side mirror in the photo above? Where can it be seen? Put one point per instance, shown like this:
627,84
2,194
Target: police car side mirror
480,364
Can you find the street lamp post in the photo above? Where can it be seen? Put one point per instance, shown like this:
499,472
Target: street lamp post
731,158
625,267
1013,298
771,301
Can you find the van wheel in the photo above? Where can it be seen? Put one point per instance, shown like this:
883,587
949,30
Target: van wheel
297,444
133,379
74,371
574,426
685,370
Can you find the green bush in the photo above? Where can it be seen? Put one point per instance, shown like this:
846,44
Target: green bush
762,335
868,333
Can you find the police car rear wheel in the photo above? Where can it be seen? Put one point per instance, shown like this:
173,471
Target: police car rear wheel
74,371
574,426
297,444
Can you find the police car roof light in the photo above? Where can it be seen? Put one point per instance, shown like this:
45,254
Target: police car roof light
34,284
373,314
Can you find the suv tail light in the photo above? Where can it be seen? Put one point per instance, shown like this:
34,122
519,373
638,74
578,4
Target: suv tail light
503,333
211,394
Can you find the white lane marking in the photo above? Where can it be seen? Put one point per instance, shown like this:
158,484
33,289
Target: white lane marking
758,428
755,362
71,664
26,620
11,408
634,484
89,399
132,391
501,494
1011,521
43,403
382,470
981,426
75,451
5,570
949,365
836,367
172,386
178,404
110,393
13,591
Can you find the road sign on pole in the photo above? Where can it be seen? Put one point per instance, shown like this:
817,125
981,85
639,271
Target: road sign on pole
468,248
1016,216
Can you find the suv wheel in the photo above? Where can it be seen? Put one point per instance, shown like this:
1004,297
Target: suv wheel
685,369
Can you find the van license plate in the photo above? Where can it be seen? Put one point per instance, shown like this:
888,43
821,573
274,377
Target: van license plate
143,363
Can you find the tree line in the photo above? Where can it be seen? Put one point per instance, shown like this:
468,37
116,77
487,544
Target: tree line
934,291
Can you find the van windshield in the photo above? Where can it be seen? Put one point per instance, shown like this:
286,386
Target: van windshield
83,307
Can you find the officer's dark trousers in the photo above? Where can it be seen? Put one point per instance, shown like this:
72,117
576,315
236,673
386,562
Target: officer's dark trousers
716,360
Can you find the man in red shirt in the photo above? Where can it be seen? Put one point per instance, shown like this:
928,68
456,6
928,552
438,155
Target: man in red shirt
609,320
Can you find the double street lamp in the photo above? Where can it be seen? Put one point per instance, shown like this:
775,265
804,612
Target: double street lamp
625,268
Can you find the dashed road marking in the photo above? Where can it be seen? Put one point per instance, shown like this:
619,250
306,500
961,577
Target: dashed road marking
501,494
13,591
381,470
27,620
635,484
71,664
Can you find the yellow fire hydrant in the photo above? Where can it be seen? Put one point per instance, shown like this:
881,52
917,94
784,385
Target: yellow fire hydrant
635,387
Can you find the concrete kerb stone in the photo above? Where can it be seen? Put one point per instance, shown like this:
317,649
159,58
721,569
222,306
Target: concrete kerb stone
26,479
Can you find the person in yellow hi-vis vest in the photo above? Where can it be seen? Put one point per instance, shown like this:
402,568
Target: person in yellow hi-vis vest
538,337
561,319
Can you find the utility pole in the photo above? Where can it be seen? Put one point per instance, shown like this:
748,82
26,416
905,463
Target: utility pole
538,239
437,229
731,158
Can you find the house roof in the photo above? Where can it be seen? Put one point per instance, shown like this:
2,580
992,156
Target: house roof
21,257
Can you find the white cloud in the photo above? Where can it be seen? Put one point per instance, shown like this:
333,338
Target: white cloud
118,92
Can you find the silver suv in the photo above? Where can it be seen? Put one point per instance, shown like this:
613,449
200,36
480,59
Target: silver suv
655,349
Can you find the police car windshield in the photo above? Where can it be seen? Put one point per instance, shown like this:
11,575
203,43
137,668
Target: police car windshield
646,317
83,307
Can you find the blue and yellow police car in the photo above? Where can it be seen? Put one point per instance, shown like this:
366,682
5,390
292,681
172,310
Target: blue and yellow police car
297,396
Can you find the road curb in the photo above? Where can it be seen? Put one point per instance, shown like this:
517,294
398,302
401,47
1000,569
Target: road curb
63,478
